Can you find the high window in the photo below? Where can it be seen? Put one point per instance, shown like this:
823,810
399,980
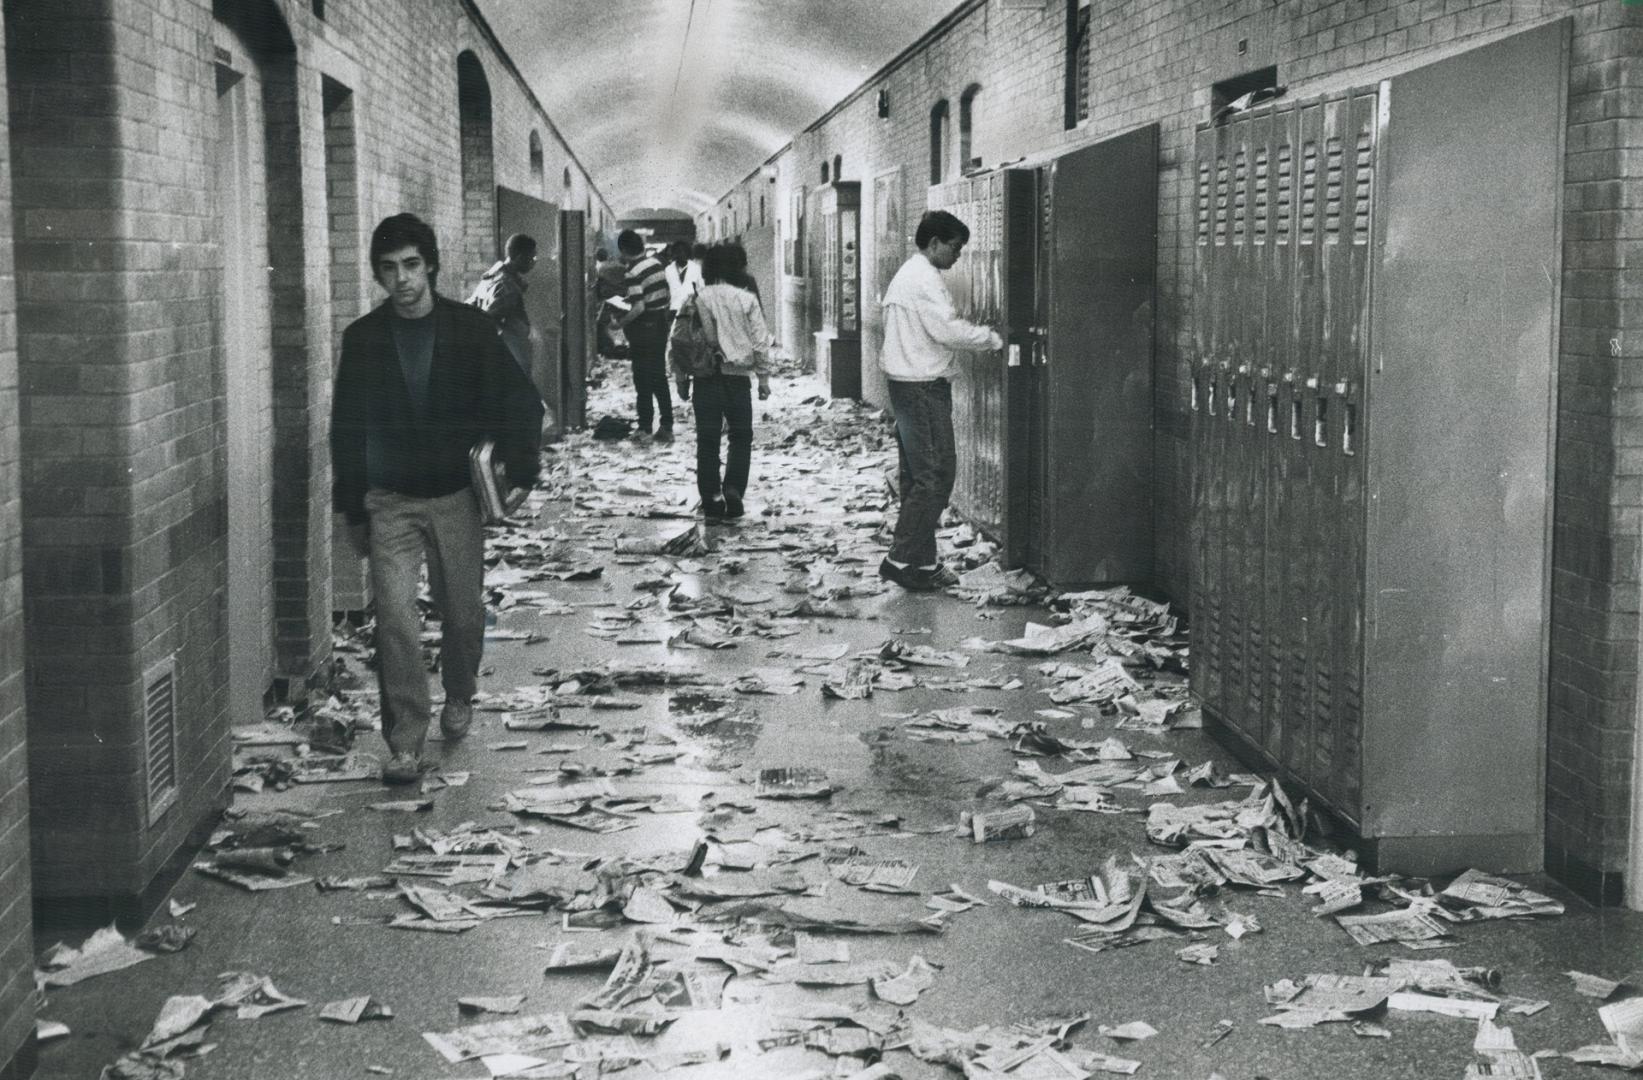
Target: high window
968,159
1079,34
938,139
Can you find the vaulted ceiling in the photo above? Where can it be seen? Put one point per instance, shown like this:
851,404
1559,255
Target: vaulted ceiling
668,103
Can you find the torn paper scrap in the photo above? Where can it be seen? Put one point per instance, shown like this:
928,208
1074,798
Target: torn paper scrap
1411,1001
1405,924
796,782
353,1010
904,989
521,1035
104,951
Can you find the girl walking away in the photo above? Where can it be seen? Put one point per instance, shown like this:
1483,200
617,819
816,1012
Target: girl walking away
721,341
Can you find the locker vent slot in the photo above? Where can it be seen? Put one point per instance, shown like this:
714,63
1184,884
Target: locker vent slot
1240,196
1232,398
1364,190
1221,186
1334,177
1323,715
1203,202
1320,423
160,736
1309,191
1261,194
1249,405
1349,427
1213,387
1286,190
1272,412
1255,689
1295,417
1197,379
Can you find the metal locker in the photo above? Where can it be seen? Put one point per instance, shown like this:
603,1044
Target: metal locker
1206,578
1287,588
992,284
1396,289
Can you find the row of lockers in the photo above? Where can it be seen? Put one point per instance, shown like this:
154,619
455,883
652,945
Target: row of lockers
1371,399
1057,434
1282,224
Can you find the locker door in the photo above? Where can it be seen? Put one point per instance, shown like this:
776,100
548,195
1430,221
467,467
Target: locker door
1286,588
1205,574
1217,306
1250,457
1264,570
1099,373
1034,353
573,307
1349,335
1311,564
1232,297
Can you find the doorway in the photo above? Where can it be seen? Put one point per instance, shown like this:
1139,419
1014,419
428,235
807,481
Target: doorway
247,408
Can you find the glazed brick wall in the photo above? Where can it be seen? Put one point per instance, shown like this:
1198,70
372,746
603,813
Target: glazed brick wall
16,922
1155,61
112,126
122,416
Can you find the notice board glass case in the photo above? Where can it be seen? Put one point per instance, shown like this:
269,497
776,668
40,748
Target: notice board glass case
838,343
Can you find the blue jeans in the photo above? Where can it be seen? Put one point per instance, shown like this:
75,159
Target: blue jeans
724,403
928,462
446,531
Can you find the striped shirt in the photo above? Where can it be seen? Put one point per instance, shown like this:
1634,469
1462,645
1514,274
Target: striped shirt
647,282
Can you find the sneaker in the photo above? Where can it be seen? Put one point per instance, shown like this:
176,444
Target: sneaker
943,575
713,509
910,578
455,718
402,769
664,434
733,503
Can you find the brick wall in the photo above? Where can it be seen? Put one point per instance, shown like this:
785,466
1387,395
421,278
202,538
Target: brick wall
16,944
1155,62
122,360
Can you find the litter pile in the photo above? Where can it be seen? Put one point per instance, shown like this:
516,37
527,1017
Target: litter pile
784,925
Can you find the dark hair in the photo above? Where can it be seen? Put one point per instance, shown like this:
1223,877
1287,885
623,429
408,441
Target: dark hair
678,251
698,250
719,265
401,231
601,254
726,263
940,225
628,242
520,244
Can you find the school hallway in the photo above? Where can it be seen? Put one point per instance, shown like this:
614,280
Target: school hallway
673,682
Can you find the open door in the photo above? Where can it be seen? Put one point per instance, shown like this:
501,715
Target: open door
570,410
1091,478
517,212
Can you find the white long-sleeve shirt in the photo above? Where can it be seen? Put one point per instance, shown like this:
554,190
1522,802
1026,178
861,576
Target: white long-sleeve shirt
738,321
922,330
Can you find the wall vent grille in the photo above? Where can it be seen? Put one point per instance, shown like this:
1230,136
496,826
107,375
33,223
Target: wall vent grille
160,736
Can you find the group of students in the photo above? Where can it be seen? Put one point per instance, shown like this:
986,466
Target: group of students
703,290
423,379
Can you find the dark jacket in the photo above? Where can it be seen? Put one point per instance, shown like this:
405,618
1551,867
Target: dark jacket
475,391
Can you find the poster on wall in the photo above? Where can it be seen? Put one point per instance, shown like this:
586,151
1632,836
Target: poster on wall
889,237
